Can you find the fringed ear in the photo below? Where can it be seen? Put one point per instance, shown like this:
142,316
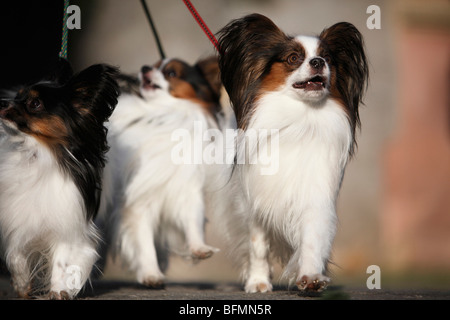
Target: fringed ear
346,46
209,68
247,46
95,91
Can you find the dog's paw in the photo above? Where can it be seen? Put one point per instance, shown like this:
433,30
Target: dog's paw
61,295
22,292
203,252
153,282
315,283
258,285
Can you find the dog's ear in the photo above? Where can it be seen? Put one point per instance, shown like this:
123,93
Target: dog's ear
95,91
345,45
209,68
247,46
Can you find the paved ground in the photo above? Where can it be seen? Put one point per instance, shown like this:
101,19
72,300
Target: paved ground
127,290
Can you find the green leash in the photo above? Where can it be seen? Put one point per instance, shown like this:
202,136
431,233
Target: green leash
65,32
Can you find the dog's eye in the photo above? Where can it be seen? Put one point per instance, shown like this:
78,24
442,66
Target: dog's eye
294,59
327,58
171,74
35,105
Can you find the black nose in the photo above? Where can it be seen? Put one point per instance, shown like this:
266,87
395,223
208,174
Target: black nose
317,63
146,69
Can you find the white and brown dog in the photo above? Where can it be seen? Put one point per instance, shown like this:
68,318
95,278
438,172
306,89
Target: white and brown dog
156,202
303,91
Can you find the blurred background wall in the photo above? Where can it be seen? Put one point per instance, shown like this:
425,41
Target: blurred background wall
394,206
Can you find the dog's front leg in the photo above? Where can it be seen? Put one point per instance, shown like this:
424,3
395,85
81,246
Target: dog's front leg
258,269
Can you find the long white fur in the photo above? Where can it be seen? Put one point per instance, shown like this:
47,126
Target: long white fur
291,214
159,204
42,217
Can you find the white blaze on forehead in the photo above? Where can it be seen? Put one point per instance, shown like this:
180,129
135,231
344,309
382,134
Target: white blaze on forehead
164,63
306,72
310,44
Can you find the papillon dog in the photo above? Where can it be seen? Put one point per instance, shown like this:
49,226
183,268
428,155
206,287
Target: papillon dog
52,153
157,203
303,91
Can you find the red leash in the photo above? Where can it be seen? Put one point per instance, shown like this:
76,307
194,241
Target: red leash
202,24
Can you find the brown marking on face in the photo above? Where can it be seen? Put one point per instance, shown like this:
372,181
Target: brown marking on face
176,72
50,130
289,60
175,66
184,90
276,77
181,89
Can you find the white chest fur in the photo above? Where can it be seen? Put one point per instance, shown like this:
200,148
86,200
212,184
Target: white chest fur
36,197
308,159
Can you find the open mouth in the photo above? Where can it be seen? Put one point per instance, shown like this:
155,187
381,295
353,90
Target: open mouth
315,83
148,84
